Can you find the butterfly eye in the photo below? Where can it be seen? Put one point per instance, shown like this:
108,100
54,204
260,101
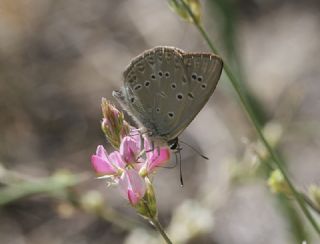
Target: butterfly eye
194,76
179,96
160,73
153,76
173,86
167,74
147,83
171,115
200,78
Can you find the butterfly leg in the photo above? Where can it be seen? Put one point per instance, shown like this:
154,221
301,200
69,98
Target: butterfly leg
141,142
142,149
153,147
137,132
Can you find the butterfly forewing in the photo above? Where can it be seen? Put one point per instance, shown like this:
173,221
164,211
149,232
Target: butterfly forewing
165,88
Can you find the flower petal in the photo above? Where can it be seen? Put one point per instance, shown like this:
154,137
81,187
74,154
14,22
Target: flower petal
101,152
116,159
157,158
135,134
129,149
132,186
102,166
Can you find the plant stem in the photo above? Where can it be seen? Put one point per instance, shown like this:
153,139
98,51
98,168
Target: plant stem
235,84
158,226
155,222
310,203
258,129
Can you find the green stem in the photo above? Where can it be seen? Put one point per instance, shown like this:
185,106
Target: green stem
155,222
310,203
158,226
252,117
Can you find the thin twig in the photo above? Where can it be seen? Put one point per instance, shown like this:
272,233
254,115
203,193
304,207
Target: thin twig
310,203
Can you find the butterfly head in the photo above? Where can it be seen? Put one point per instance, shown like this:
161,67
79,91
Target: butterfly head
174,144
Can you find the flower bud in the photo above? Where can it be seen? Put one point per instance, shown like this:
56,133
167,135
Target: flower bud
113,124
277,183
179,8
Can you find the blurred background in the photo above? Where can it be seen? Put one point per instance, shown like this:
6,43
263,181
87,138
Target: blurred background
59,58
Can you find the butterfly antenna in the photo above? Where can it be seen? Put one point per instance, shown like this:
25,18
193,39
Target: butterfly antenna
195,150
180,165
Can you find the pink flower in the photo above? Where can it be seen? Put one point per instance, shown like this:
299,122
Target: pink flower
128,168
158,157
107,165
130,149
132,186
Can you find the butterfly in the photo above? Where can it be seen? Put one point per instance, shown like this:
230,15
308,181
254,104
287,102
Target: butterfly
165,88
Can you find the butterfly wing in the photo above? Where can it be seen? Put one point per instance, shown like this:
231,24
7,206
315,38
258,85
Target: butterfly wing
164,89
